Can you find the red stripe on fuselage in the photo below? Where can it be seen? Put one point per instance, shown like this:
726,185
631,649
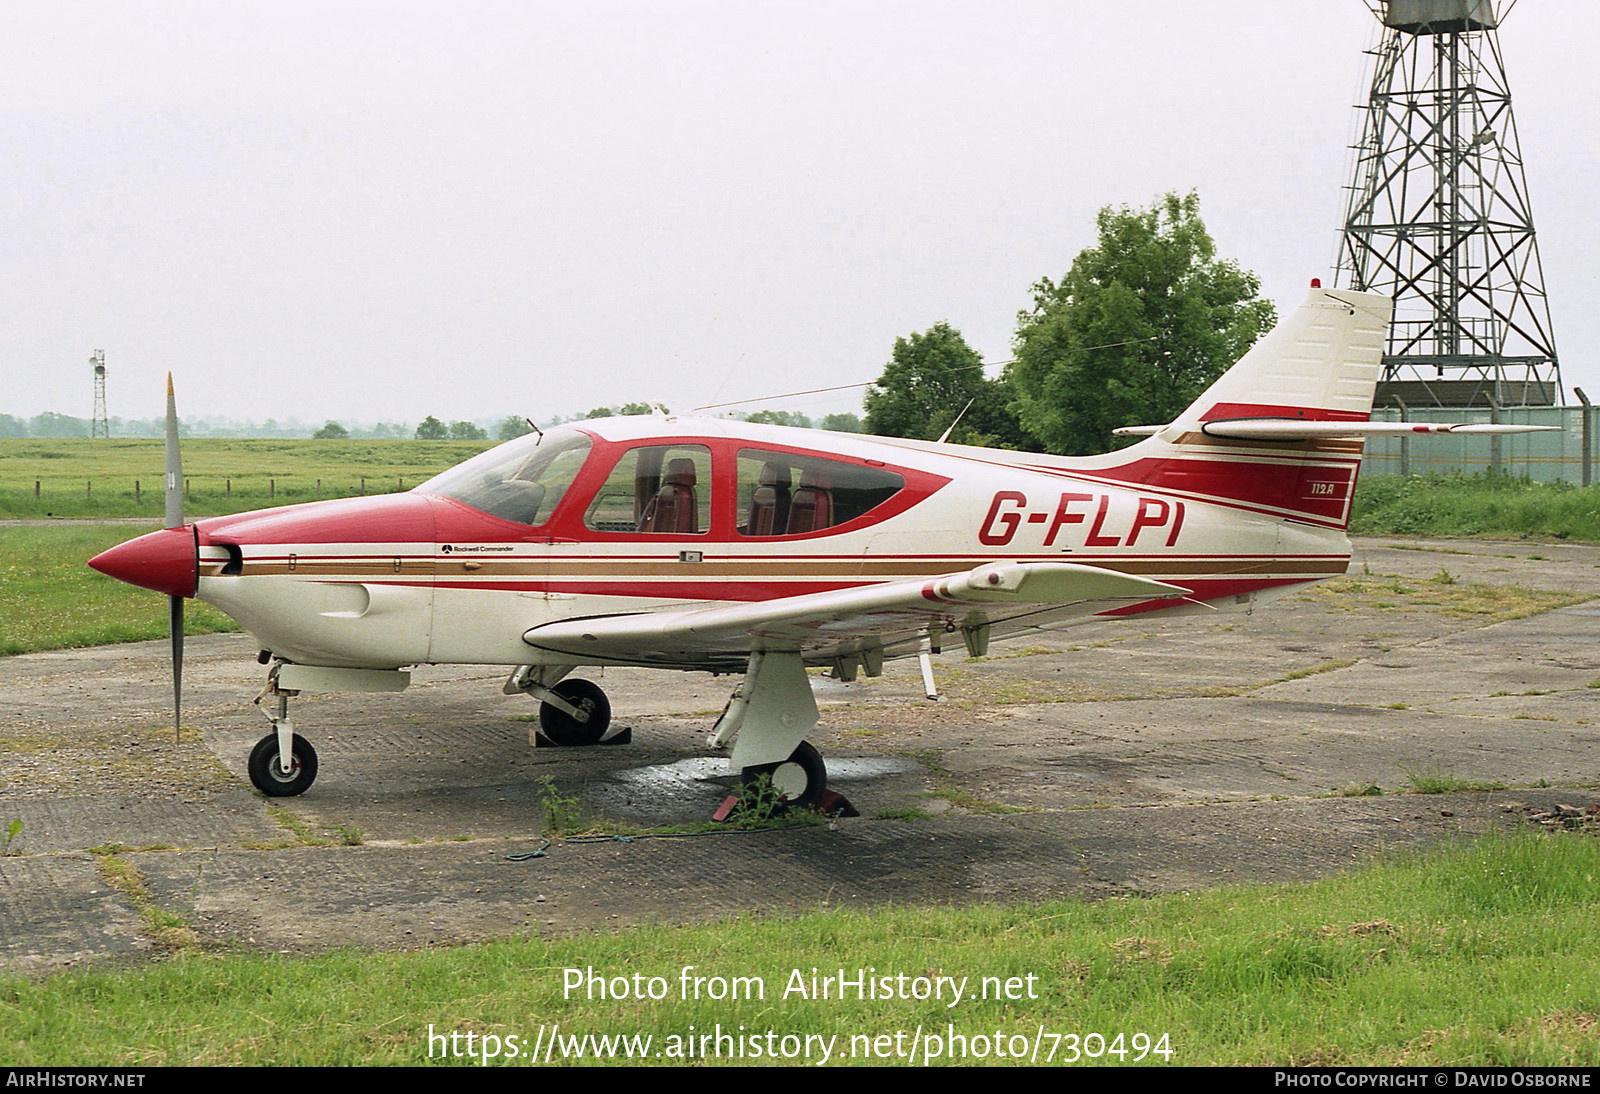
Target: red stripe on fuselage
1319,490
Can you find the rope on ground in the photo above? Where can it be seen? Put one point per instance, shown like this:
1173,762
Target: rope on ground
544,842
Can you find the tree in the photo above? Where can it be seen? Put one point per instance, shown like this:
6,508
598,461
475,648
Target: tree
512,427
930,379
466,431
333,431
51,424
624,409
841,423
1135,330
780,417
432,429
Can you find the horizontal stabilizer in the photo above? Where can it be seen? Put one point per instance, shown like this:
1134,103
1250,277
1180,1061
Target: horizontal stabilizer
818,624
1295,429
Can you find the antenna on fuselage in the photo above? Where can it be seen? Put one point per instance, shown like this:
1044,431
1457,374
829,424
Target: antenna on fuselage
870,383
945,436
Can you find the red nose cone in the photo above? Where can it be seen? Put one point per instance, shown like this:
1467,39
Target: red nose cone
166,561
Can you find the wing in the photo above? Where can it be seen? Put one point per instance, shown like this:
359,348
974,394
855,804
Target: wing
887,619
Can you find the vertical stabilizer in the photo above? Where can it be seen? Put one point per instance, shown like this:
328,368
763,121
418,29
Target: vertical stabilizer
1318,364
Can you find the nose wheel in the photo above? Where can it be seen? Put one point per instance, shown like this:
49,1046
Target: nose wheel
266,771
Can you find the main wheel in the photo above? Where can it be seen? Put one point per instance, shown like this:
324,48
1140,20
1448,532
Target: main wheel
563,728
269,778
799,780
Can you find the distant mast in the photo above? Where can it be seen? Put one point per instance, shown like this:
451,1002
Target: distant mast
1439,218
100,425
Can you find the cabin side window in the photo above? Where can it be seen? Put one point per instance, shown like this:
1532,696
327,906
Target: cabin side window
655,490
783,494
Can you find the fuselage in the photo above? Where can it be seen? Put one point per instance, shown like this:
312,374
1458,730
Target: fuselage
630,515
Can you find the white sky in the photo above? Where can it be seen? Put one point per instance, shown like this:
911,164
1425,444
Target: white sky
370,211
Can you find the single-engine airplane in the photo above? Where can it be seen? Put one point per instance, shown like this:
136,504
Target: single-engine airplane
720,546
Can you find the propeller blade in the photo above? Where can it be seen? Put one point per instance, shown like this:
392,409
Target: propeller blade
174,465
175,631
174,519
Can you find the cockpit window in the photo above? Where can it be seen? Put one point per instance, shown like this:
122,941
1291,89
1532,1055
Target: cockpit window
782,494
521,480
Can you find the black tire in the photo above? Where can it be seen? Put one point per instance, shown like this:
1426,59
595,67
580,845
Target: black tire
800,780
562,728
267,778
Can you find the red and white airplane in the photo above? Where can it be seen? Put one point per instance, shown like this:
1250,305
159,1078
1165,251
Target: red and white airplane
719,546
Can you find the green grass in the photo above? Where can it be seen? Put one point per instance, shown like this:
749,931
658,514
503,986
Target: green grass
1481,954
53,600
1439,782
1474,505
96,478
1357,790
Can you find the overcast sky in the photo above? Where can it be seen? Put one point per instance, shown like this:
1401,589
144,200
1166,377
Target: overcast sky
368,211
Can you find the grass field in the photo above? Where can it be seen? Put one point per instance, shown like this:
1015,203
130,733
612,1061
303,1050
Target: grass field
97,478
1481,954
1496,506
52,600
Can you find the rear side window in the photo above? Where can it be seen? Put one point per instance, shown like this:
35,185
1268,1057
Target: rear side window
783,494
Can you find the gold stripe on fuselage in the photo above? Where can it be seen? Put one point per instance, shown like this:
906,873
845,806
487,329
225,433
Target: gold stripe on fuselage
502,569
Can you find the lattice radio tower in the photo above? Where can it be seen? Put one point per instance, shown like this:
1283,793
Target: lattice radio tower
1438,214
100,426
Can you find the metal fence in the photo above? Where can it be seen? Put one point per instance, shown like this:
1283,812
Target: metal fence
1544,457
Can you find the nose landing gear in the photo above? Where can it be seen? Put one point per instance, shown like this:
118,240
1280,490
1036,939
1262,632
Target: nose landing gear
266,771
282,764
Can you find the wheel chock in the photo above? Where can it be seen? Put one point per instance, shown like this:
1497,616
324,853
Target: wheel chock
831,805
623,736
836,805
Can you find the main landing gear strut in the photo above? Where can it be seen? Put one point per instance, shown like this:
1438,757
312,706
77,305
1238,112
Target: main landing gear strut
767,720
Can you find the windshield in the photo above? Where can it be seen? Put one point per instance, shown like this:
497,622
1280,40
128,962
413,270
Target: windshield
521,480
